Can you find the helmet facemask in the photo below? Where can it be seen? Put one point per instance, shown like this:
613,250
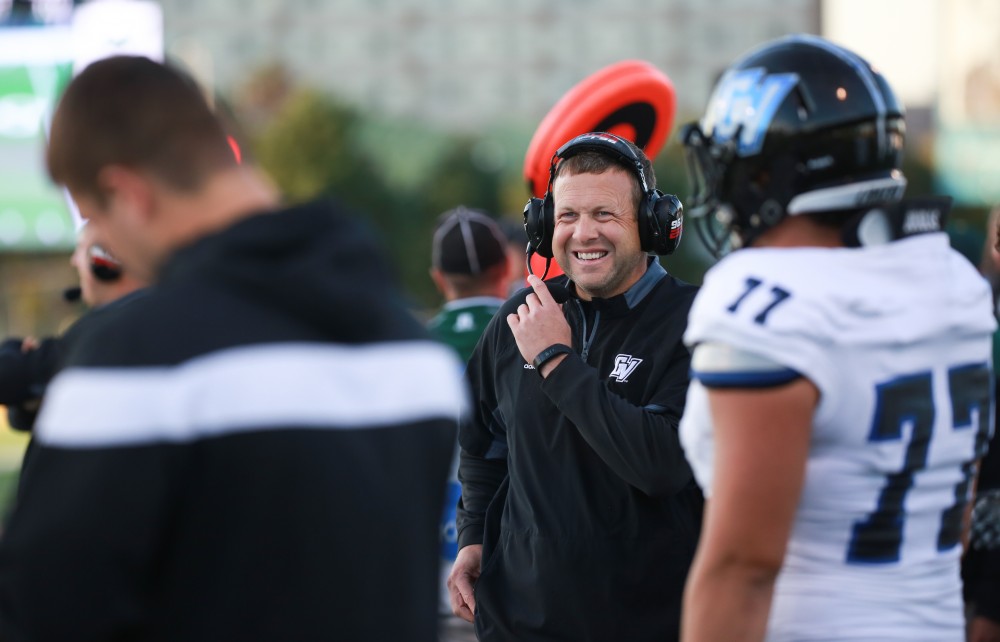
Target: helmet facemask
706,164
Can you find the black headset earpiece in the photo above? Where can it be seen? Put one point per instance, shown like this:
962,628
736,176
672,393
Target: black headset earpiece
661,227
660,217
538,231
103,265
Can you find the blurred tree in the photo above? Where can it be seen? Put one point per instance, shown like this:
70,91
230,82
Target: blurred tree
312,147
308,151
464,175
262,97
461,178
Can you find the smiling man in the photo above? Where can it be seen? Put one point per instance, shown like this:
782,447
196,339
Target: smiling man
579,517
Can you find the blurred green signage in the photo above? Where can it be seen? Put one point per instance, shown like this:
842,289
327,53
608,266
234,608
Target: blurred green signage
34,214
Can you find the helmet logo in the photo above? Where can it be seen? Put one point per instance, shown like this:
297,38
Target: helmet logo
743,104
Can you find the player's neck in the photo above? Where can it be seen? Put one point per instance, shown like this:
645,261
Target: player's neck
799,231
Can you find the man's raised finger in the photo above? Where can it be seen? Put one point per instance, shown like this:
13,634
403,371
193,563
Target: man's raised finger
541,290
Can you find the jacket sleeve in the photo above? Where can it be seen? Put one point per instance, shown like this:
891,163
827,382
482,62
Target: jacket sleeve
482,464
640,444
24,374
83,542
480,479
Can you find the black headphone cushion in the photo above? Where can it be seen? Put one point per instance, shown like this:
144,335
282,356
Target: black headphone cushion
661,223
539,224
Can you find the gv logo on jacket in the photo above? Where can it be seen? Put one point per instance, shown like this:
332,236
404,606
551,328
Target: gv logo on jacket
625,364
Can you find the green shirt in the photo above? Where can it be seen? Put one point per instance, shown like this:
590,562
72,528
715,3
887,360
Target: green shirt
461,321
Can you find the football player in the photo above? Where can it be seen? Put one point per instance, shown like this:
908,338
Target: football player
841,363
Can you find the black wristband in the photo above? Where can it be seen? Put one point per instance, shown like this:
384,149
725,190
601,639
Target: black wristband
545,355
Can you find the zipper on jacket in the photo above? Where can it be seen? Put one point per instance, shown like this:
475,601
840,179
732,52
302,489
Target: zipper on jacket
587,340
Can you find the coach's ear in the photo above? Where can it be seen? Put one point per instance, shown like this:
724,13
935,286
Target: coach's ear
126,191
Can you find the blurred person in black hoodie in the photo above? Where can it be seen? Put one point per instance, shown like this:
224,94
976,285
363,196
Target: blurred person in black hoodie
255,450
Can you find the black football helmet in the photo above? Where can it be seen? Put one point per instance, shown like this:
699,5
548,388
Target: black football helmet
799,125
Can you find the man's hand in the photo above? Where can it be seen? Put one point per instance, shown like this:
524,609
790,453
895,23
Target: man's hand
538,323
464,573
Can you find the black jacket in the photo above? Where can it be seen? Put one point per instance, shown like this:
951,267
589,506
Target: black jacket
24,375
576,484
257,450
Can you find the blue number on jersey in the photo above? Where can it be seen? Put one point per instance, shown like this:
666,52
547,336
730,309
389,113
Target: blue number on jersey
779,294
909,400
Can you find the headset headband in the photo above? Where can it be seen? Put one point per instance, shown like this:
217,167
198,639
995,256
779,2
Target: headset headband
600,142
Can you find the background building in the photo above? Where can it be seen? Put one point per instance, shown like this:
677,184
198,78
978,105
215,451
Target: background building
470,64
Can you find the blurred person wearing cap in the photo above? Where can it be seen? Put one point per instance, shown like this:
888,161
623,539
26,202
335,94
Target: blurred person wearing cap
255,450
27,365
470,267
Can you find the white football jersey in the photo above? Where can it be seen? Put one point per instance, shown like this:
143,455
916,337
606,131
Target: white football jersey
897,338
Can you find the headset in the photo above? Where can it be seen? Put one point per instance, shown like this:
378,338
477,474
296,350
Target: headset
103,265
660,216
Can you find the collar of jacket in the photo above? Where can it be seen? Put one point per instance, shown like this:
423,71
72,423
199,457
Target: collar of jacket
622,303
